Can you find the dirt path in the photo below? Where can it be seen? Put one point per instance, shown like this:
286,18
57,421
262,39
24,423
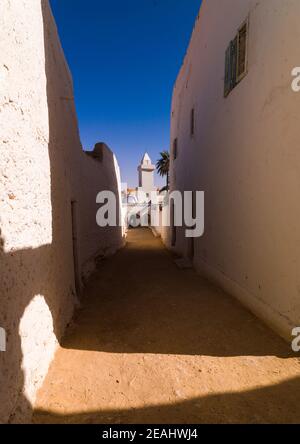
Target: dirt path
156,344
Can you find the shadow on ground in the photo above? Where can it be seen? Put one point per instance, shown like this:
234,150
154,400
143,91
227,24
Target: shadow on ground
140,302
274,404
152,335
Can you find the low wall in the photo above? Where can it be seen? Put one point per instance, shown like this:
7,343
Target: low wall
98,173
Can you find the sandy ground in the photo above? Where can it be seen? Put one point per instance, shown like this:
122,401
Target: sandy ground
156,344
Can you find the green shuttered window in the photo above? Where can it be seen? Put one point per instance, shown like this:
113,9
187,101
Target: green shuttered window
242,51
236,59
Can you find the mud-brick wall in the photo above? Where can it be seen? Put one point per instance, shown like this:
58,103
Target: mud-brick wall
244,154
100,171
42,170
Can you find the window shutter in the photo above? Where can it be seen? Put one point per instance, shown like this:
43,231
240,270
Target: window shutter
236,59
230,67
242,40
227,72
233,62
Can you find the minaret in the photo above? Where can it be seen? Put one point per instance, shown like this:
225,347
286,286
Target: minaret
146,174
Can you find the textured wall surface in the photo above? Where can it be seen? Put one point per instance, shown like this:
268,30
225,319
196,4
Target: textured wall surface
42,170
98,173
245,155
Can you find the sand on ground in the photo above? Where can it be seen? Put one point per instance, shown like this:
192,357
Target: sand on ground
153,343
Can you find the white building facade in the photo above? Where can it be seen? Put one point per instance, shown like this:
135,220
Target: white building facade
49,238
236,136
146,176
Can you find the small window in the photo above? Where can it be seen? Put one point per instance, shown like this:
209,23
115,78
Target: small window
233,58
193,122
242,51
236,60
175,149
230,67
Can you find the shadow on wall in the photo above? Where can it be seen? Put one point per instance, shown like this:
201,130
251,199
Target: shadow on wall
100,172
273,404
30,272
42,277
36,280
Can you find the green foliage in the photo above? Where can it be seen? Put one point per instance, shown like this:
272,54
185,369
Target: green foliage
163,165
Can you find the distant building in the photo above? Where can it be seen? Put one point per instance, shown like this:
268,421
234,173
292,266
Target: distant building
146,175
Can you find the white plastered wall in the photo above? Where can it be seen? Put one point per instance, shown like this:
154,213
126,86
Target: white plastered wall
245,155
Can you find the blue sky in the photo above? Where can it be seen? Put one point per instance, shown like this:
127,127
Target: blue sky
125,56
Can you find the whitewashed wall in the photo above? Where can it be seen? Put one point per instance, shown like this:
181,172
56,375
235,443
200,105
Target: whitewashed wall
245,155
42,169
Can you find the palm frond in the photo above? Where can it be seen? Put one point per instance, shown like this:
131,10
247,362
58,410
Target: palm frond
163,165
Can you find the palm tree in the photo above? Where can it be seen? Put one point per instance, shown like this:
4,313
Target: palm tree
163,166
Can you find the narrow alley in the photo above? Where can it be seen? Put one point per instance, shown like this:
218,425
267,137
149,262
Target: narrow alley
156,344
